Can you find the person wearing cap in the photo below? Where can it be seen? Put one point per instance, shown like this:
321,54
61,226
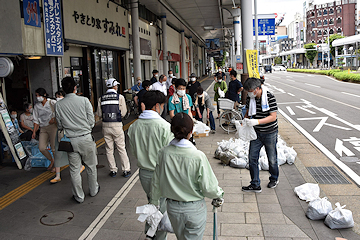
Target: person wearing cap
112,107
137,87
161,86
192,86
155,74
220,73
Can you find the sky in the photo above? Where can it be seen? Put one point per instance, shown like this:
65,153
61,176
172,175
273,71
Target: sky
290,7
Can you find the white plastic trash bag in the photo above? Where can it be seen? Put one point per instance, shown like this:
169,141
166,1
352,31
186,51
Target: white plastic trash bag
238,163
151,215
264,163
281,158
165,224
318,208
290,155
221,93
339,218
308,191
245,132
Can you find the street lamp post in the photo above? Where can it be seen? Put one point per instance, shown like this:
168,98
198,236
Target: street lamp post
351,53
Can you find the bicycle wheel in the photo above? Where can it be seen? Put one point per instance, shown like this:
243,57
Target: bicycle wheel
128,108
227,119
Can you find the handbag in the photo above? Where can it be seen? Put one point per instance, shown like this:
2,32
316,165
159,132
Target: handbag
65,144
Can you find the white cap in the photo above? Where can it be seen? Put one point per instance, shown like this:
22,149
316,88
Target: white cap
111,82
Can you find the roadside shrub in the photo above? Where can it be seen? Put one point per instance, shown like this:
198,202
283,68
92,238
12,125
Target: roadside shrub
337,73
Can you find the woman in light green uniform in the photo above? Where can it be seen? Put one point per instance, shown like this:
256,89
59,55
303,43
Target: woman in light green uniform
147,136
184,176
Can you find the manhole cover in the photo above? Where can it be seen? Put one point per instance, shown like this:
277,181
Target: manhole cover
349,159
56,218
327,175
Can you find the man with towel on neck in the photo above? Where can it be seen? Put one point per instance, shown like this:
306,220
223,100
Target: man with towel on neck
262,109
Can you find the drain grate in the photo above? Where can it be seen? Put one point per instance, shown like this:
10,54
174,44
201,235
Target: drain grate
327,175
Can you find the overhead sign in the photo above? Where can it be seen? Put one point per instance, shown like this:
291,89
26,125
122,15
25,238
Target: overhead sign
252,63
212,43
31,9
238,59
53,28
266,26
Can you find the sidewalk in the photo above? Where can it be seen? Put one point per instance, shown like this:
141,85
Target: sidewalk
271,214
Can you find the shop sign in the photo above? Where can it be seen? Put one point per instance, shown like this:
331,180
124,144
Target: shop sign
103,24
53,28
145,47
31,9
252,63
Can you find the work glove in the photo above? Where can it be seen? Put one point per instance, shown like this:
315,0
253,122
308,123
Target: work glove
251,122
217,202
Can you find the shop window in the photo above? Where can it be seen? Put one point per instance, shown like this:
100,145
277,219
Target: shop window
338,20
319,33
331,31
325,12
338,10
319,23
331,21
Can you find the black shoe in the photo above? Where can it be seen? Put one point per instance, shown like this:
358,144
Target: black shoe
97,191
126,174
112,174
73,198
225,124
252,188
272,184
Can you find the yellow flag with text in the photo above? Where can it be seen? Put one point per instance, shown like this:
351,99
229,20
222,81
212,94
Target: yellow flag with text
252,63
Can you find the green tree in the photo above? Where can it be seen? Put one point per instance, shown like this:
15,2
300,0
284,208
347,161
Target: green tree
332,38
310,54
288,58
277,60
222,62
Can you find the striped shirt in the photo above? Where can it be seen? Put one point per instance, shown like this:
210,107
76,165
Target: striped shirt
268,127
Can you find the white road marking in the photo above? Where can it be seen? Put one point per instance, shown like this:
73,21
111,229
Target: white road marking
291,94
322,123
340,164
290,110
290,103
357,148
306,110
101,219
312,85
209,86
290,80
305,101
351,94
340,148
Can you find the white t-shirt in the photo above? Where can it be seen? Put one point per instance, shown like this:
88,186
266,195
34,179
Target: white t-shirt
43,114
160,87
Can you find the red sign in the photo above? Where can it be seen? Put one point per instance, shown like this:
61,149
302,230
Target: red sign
173,57
239,66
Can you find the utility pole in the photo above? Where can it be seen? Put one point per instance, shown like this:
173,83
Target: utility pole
256,34
329,54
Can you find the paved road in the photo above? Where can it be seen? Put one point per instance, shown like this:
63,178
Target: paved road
324,109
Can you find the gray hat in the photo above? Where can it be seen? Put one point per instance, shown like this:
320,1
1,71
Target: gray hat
193,75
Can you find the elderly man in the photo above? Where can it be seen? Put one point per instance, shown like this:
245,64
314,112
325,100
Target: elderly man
161,86
261,106
112,107
75,115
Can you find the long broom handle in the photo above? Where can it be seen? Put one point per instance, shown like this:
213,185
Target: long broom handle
215,236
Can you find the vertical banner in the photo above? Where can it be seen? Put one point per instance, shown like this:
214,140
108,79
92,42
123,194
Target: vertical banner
31,10
252,63
53,28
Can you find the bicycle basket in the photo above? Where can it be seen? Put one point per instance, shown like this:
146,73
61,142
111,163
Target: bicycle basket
128,95
225,103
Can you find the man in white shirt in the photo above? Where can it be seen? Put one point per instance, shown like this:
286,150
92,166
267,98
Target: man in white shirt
169,79
161,86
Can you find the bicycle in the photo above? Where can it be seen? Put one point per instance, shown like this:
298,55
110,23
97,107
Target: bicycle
130,104
230,115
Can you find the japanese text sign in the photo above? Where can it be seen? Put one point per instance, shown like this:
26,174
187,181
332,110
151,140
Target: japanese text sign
53,28
252,63
31,11
266,26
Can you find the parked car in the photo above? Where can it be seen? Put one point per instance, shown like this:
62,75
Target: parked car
279,68
267,68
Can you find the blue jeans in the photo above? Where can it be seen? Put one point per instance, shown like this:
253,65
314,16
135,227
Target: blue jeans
211,117
268,140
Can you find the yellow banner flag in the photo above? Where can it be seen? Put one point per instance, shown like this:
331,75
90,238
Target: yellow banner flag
252,63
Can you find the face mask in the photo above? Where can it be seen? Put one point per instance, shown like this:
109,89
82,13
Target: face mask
193,79
200,96
219,80
58,99
39,99
31,110
156,75
252,94
13,116
150,87
171,75
139,82
181,92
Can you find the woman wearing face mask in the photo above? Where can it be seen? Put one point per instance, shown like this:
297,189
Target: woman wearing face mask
23,136
180,101
192,86
27,120
220,84
59,95
184,177
44,118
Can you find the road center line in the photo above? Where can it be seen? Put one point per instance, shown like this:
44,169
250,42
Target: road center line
312,85
291,94
351,94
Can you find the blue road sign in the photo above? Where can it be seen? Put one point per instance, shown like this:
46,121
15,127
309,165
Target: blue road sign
238,58
266,26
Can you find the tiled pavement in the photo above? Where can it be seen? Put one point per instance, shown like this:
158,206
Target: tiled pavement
272,214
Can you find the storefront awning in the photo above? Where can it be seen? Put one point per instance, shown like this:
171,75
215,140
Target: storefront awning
347,40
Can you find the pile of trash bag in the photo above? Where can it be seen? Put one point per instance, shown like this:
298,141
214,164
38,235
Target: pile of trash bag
234,152
321,208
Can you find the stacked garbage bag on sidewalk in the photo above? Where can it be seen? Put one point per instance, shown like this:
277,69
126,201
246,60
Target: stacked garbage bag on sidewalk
234,152
321,208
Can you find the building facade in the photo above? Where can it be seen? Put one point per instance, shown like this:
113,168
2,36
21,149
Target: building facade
337,17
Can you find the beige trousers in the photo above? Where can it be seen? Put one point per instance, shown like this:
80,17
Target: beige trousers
115,134
47,134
